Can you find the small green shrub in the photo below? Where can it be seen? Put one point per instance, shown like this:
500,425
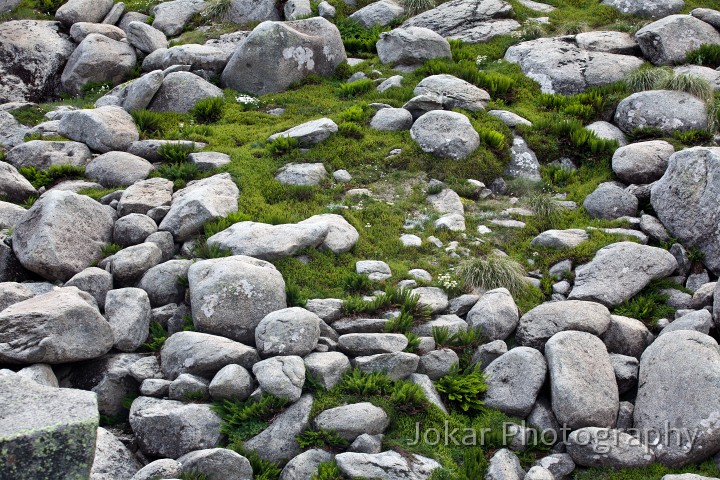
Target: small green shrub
262,469
492,138
403,323
95,89
648,78
356,113
243,420
294,296
147,122
696,255
48,7
353,89
51,176
282,145
713,114
707,55
351,130
194,395
645,133
357,39
558,175
413,342
497,84
208,110
204,250
158,335
415,7
321,438
493,272
408,398
29,202
463,342
362,384
463,389
175,153
110,249
692,137
354,284
179,173
328,471
193,476
648,307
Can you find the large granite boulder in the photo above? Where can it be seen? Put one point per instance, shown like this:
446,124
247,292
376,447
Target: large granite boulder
582,381
687,201
560,66
62,234
180,91
666,110
514,381
453,92
92,11
643,162
411,46
667,41
45,432
542,322
620,271
243,12
276,54
42,154
98,59
13,186
230,296
646,8
170,429
678,399
202,354
32,56
172,17
198,203
61,326
445,134
380,13
102,129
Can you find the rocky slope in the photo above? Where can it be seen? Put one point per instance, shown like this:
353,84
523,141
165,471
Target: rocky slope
323,240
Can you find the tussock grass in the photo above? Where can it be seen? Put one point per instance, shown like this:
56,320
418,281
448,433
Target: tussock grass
493,272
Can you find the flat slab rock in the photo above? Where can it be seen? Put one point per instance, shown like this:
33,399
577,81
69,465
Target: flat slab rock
472,21
388,465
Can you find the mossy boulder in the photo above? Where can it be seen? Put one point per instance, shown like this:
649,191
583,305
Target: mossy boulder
46,432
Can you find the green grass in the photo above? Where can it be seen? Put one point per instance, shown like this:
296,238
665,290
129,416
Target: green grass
706,55
653,472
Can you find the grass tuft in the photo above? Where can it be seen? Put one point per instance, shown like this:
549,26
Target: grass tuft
493,272
691,84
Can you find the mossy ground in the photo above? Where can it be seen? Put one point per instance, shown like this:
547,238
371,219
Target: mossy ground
399,187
